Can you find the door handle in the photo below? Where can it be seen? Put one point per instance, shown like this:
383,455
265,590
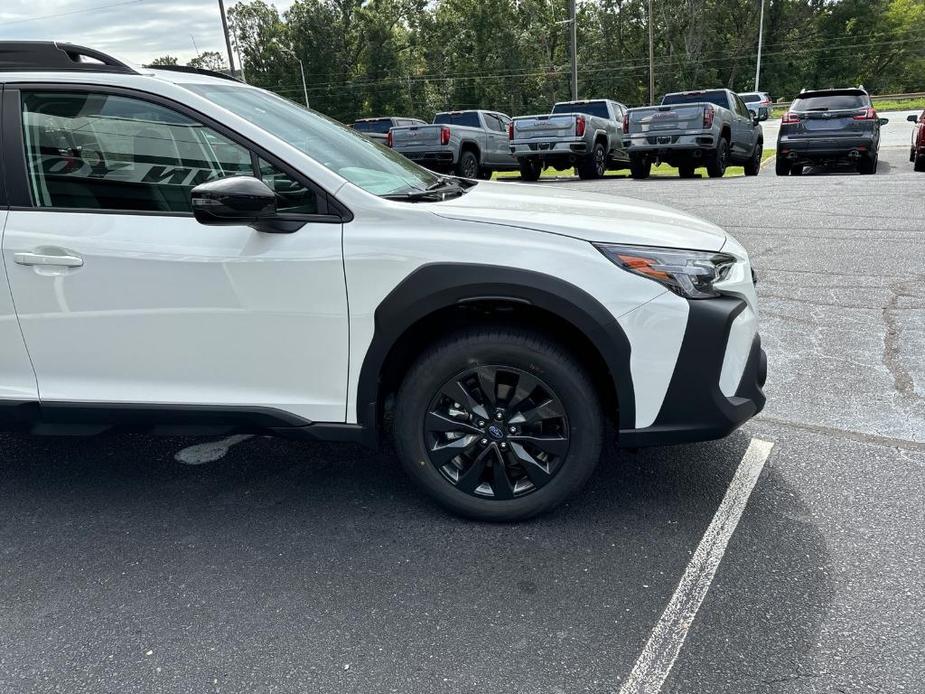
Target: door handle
63,260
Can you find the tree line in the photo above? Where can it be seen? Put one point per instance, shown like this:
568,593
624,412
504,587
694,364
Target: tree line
416,57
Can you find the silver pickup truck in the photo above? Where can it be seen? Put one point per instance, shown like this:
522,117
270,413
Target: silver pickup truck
583,134
471,144
711,128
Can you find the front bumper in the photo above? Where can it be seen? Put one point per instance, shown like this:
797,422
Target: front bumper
694,407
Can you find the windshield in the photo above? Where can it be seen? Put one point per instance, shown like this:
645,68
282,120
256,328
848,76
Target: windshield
469,118
364,163
830,102
592,108
717,98
373,126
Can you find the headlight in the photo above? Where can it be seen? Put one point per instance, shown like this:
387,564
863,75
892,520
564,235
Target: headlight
690,274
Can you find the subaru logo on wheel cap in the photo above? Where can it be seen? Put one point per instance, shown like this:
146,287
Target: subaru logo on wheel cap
496,432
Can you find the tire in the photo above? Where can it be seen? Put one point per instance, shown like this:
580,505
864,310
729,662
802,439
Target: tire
781,167
919,163
867,166
640,167
530,169
716,165
686,171
796,170
468,165
522,361
753,165
594,165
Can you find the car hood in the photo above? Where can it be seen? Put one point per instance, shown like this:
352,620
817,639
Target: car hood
588,216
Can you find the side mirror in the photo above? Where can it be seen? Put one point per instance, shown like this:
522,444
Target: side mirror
756,119
239,200
913,118
884,121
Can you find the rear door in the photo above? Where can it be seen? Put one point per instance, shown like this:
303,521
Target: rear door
498,150
833,115
124,298
743,128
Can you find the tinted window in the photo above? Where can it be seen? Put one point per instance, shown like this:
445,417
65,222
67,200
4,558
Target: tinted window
99,151
468,118
493,122
829,102
716,97
591,108
373,126
750,98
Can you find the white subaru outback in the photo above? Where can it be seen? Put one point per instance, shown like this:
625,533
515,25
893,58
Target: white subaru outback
186,253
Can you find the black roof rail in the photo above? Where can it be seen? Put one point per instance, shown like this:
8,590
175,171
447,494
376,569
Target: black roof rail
193,70
56,55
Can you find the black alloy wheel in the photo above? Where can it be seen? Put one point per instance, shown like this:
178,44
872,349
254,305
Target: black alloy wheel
496,432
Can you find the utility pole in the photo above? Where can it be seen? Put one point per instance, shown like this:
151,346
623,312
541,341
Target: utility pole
651,55
760,37
573,41
221,9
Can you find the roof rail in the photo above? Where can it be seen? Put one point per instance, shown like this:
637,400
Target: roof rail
193,70
56,55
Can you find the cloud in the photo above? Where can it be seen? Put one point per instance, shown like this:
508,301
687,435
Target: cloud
135,30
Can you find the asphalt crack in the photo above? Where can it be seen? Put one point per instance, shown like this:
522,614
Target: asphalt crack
892,339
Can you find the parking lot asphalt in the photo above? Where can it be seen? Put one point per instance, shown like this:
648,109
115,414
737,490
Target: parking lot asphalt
285,567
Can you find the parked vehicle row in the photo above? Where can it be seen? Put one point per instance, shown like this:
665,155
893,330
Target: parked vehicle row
712,128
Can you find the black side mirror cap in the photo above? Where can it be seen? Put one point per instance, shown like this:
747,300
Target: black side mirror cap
913,118
883,121
237,201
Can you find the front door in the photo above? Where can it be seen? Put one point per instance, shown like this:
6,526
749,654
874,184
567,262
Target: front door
123,297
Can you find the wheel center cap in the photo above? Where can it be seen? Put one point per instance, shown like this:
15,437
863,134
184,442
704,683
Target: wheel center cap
495,432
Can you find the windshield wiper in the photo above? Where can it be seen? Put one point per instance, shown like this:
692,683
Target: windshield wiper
440,191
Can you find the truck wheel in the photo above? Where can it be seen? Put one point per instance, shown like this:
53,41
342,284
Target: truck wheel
686,171
753,165
594,165
530,169
781,167
498,424
468,165
716,165
919,163
640,167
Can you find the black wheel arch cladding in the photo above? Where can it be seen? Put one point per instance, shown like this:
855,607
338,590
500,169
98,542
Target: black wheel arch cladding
437,286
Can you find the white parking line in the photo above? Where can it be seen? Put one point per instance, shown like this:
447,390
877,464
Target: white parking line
209,452
657,658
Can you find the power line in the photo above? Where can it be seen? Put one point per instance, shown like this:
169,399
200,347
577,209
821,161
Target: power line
70,12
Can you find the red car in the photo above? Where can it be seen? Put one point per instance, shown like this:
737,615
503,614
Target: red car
917,151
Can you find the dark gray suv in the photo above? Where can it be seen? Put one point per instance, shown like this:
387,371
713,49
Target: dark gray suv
828,127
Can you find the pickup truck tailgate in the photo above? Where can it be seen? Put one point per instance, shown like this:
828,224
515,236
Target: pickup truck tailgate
416,135
666,119
544,127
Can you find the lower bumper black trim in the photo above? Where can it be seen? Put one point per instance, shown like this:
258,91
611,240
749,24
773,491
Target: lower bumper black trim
694,408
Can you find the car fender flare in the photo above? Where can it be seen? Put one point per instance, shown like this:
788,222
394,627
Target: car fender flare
437,286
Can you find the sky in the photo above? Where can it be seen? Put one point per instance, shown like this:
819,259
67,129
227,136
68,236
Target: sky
136,30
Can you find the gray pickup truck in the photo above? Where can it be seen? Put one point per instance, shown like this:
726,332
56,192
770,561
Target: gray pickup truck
471,144
711,128
378,128
584,134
